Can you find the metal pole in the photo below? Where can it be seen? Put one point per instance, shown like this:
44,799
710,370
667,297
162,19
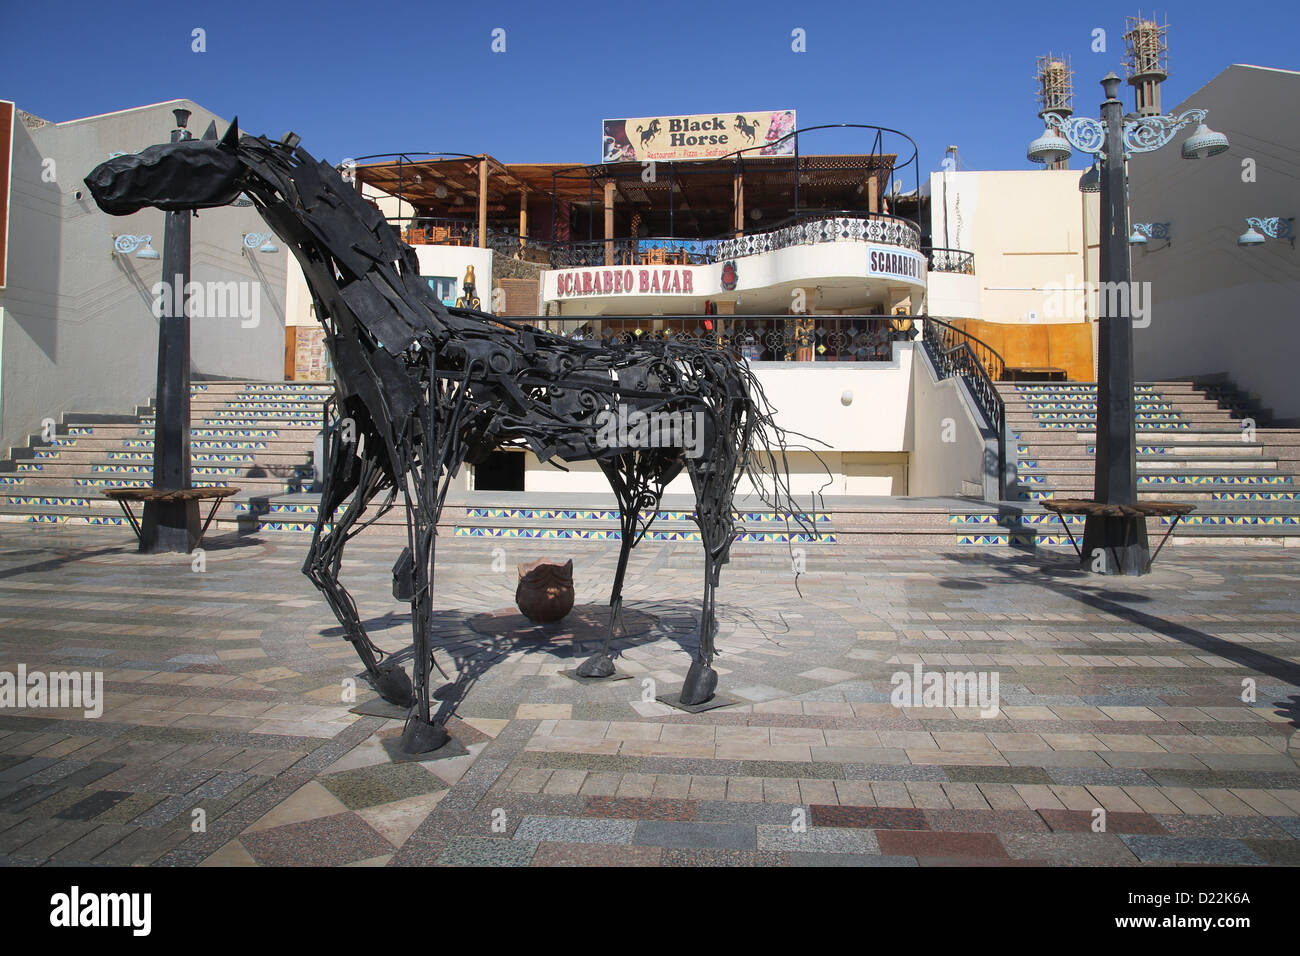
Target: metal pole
1122,541
173,525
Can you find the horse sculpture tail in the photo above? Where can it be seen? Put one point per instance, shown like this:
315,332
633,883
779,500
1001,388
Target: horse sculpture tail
766,464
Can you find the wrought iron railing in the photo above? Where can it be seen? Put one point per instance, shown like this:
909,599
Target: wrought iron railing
758,338
952,260
957,352
631,252
818,226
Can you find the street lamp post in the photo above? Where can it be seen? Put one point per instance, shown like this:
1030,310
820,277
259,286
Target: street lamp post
1115,477
1115,545
173,525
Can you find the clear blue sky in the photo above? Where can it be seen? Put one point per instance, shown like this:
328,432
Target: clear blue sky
355,78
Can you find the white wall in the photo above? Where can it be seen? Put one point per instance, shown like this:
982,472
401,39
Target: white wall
1030,230
79,332
868,439
1218,307
949,450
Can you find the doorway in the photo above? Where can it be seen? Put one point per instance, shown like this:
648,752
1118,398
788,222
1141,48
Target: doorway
503,471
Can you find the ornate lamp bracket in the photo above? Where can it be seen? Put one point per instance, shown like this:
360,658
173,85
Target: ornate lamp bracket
1084,133
1148,133
1275,227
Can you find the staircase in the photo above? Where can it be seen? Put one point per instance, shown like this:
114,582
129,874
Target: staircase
1192,446
258,436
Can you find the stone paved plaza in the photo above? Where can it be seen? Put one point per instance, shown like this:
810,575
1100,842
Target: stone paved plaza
225,693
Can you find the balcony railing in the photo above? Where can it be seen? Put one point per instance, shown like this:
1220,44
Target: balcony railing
954,351
952,260
758,338
809,228
814,227
435,231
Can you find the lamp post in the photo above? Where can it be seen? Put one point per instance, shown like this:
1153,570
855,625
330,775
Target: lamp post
173,525
1120,541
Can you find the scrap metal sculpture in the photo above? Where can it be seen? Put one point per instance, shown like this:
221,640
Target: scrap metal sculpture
421,389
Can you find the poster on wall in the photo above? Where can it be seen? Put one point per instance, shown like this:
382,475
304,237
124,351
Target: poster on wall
311,361
444,287
700,136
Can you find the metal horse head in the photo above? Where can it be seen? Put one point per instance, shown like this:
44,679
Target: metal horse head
190,174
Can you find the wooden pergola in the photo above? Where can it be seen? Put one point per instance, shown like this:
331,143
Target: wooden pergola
695,199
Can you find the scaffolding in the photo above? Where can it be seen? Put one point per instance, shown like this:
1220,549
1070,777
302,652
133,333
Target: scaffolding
1146,60
1055,80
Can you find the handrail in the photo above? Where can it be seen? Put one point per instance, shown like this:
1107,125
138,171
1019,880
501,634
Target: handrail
943,259
955,351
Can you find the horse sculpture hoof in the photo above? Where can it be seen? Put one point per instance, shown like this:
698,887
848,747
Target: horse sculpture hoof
598,665
392,684
701,682
422,737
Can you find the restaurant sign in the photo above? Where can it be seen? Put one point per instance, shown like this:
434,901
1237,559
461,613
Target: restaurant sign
890,262
674,280
700,136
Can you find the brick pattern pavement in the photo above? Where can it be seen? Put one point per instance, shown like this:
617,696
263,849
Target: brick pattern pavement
226,738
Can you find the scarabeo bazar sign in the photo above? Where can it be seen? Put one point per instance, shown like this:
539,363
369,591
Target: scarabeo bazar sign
699,136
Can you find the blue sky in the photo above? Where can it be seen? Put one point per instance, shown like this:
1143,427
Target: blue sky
355,78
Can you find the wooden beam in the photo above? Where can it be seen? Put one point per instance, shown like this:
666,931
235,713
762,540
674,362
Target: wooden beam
738,202
482,201
609,222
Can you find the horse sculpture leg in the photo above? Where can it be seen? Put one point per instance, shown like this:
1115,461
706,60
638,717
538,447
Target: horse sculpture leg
422,733
325,557
713,515
637,482
601,664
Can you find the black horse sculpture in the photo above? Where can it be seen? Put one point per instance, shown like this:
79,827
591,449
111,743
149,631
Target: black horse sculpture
421,388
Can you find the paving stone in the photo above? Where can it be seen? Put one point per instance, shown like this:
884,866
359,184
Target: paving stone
472,851
575,830
592,854
722,836
341,838
943,845
1158,849
94,805
874,818
816,839
1087,848
641,808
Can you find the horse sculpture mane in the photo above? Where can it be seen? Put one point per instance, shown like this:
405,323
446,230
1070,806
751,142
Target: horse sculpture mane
421,389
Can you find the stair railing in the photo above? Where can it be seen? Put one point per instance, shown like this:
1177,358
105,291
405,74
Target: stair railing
956,352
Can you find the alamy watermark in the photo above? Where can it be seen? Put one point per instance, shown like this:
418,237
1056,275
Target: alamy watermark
921,688
62,690
629,428
210,300
1118,300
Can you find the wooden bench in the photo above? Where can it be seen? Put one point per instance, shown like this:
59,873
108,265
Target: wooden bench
123,496
1033,373
1142,509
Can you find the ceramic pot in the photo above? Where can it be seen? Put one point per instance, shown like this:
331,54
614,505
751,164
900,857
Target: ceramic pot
545,590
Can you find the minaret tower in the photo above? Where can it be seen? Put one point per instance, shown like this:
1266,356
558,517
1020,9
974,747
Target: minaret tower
1055,94
1146,61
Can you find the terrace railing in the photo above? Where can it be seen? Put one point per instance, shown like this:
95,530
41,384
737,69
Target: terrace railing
957,352
952,260
758,338
818,226
435,231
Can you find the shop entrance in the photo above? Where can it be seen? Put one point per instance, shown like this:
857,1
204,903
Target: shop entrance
503,471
